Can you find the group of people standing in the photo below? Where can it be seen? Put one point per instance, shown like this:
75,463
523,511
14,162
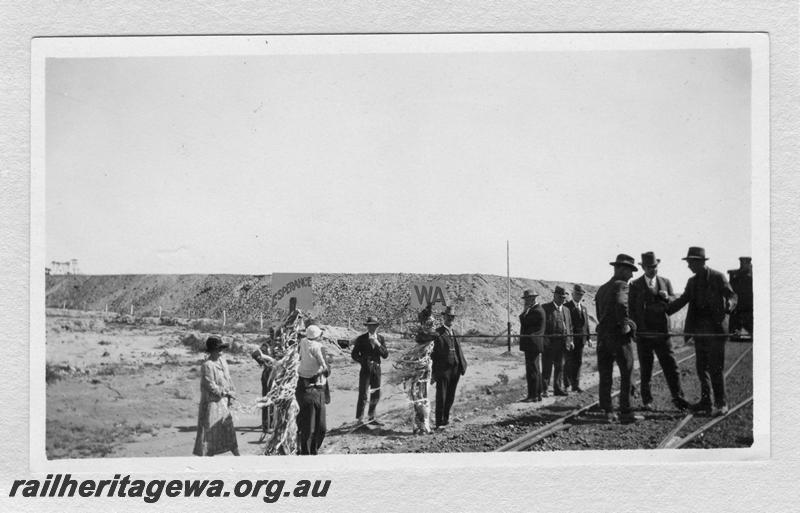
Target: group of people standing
555,333
442,351
552,336
636,312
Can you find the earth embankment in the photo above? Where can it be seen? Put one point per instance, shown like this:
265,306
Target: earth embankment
339,299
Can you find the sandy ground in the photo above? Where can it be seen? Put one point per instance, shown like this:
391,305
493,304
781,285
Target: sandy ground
133,390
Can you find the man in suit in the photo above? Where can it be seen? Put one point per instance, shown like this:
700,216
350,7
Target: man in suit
558,331
368,349
615,330
649,296
573,358
531,342
741,280
710,299
449,365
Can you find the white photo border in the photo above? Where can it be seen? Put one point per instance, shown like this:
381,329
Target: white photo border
89,47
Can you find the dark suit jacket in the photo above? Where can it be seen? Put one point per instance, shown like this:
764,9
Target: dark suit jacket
551,318
364,353
649,310
718,294
611,302
441,351
531,329
580,321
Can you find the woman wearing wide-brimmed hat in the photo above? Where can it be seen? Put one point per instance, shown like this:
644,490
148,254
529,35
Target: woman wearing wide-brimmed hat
215,431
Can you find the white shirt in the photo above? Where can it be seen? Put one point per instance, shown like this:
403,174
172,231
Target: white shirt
312,361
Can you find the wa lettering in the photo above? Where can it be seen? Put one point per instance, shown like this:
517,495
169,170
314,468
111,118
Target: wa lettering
429,295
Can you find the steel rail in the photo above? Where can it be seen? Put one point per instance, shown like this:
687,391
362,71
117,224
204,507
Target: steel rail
708,425
534,436
747,338
669,441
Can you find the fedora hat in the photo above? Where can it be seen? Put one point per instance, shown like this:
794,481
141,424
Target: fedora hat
695,253
649,259
529,293
450,311
215,344
626,260
560,290
371,320
579,289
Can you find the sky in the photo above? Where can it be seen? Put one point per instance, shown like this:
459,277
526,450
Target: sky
416,163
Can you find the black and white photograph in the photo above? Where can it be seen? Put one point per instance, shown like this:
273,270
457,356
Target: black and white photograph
401,245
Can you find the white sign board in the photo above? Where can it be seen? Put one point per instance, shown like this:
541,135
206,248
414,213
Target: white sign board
286,286
422,293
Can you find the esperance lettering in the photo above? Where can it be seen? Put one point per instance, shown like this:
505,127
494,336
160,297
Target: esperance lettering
291,287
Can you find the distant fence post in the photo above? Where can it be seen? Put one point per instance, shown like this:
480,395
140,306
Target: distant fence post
224,318
106,307
159,311
261,320
64,306
131,310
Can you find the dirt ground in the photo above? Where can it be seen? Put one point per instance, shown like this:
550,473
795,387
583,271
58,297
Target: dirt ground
132,390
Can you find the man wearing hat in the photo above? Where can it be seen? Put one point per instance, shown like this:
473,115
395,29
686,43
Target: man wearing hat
741,280
573,359
558,340
615,330
312,373
649,296
449,365
368,349
710,299
531,342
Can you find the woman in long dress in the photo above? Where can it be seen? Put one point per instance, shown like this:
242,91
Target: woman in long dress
215,431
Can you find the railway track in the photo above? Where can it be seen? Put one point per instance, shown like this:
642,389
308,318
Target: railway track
673,441
569,419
